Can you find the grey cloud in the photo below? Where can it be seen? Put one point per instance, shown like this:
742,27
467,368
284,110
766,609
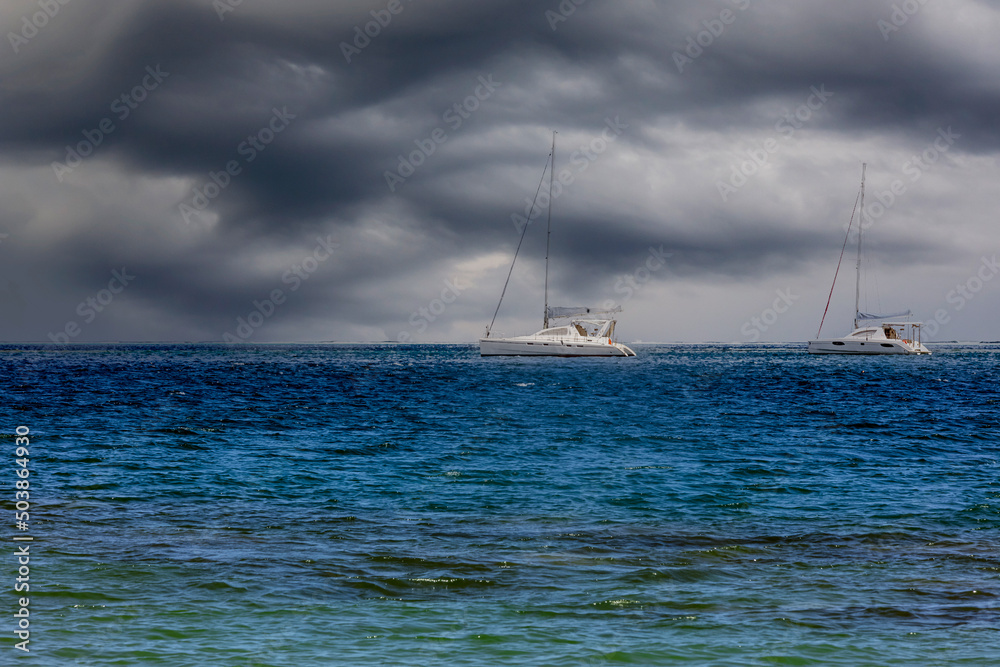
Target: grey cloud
325,173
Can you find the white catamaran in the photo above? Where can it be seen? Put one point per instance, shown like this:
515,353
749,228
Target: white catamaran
873,334
588,332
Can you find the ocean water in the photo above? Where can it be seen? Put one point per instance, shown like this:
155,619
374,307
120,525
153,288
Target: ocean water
420,505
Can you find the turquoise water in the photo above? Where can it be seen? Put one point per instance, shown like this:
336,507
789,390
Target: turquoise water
420,505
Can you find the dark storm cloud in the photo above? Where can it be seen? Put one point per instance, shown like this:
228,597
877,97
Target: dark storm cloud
493,79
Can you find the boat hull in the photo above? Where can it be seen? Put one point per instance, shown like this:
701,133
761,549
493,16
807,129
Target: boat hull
513,347
853,346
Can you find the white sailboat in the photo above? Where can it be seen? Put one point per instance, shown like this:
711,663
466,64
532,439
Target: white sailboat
873,333
587,332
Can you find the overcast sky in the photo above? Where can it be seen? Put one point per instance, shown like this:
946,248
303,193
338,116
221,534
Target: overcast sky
312,170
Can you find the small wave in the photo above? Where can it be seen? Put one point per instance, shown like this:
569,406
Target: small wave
616,604
174,431
396,587
221,586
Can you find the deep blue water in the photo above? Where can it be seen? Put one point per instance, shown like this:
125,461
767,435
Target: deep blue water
420,505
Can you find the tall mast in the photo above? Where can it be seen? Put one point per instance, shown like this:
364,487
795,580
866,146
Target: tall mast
548,232
861,226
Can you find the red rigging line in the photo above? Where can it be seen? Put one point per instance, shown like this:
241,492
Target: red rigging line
524,230
837,272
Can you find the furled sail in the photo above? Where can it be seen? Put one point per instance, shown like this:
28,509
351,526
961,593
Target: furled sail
556,311
888,316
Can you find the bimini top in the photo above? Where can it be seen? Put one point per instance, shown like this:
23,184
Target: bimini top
556,311
874,316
